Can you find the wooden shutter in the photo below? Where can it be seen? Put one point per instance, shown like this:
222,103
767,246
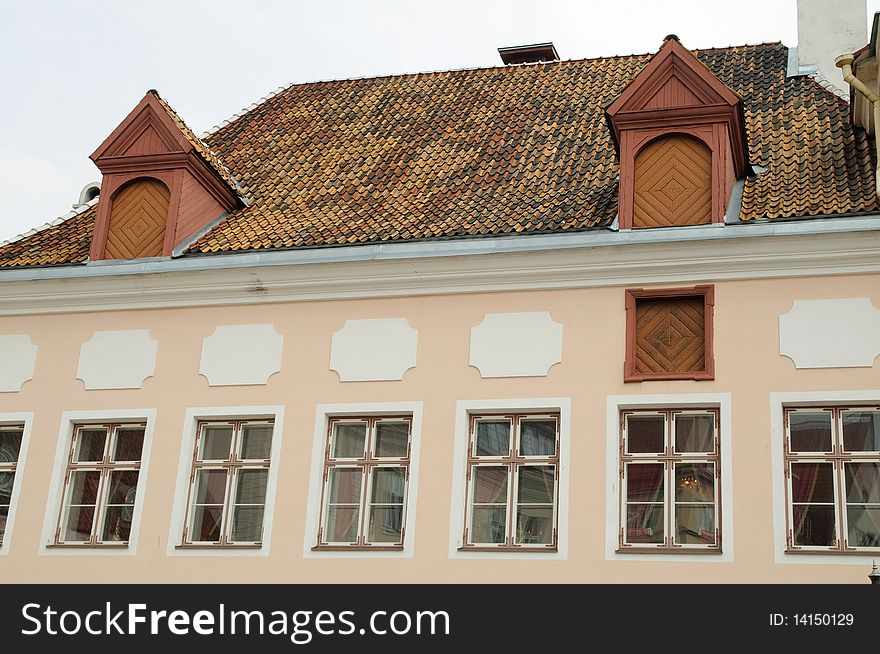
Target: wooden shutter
137,221
670,335
673,183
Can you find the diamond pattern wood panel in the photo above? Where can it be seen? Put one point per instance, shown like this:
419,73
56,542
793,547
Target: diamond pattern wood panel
670,335
137,223
673,184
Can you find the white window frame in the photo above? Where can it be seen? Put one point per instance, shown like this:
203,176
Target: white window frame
614,406
14,419
70,420
314,510
193,418
464,410
779,402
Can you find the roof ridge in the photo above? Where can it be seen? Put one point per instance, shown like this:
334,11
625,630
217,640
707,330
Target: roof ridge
281,89
82,208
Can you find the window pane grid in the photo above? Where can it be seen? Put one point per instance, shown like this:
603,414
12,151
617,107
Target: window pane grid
230,472
513,466
100,485
669,469
375,450
833,479
10,446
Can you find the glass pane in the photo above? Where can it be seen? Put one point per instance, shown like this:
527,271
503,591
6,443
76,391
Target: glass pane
861,431
644,434
4,513
89,445
644,482
490,484
78,523
117,523
256,442
210,487
247,524
387,486
863,526
536,484
386,524
391,439
123,486
813,525
493,437
216,443
345,485
6,481
862,481
488,524
205,524
695,433
644,523
10,444
534,524
812,482
695,524
341,525
810,431
129,444
83,487
251,487
349,440
537,438
694,482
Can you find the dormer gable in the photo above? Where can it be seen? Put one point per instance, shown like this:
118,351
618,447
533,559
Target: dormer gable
161,185
681,140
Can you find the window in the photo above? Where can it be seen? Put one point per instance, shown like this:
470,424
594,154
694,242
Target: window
669,334
366,474
669,471
832,468
227,487
100,485
512,475
10,445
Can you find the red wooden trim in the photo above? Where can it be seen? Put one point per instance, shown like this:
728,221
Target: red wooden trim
707,292
147,110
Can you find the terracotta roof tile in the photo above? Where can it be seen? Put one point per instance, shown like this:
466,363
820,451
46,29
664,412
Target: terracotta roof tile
519,149
63,243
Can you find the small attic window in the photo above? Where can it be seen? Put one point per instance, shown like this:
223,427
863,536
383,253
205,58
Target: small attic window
528,54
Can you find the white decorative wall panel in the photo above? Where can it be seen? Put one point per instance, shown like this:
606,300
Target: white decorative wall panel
374,350
238,355
516,344
117,359
842,333
17,357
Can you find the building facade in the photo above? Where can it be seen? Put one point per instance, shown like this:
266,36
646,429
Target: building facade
605,320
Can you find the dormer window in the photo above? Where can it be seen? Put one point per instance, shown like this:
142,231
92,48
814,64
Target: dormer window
138,218
682,142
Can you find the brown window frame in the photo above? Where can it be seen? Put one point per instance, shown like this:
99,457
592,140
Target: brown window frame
105,467
668,458
11,467
514,461
707,293
233,465
838,457
366,463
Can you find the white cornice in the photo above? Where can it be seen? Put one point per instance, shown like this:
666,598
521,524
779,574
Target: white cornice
485,265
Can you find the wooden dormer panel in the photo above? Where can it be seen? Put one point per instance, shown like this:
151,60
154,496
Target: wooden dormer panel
676,121
158,188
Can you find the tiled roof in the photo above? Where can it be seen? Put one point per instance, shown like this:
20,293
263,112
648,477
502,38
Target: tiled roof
199,145
58,243
519,149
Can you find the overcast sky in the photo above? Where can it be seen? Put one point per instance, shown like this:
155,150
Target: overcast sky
71,71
